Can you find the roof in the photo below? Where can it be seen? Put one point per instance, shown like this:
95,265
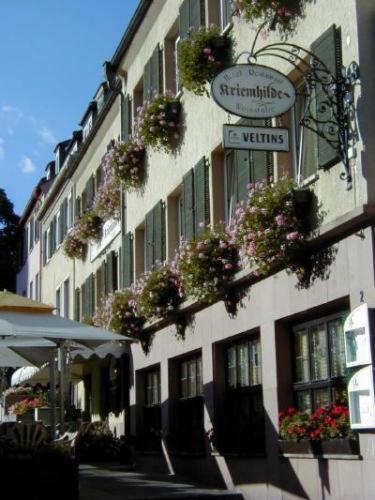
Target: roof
39,189
130,32
17,303
90,109
62,144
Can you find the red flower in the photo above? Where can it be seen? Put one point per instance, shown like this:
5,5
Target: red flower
291,411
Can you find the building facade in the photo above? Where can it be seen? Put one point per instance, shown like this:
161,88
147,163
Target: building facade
213,398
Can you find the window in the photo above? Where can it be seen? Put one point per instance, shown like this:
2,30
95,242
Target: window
31,233
192,15
36,231
195,201
87,127
155,250
126,118
242,420
70,210
152,410
241,168
319,362
77,304
66,298
59,229
58,302
88,297
127,257
225,13
37,287
171,43
57,161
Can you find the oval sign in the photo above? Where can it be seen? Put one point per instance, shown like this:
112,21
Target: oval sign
253,91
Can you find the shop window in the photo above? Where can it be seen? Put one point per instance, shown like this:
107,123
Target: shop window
242,420
152,410
241,168
319,363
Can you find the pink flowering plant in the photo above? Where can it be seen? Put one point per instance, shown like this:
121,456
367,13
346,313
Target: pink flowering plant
26,405
89,226
201,57
268,229
207,264
160,292
125,163
284,13
158,123
73,246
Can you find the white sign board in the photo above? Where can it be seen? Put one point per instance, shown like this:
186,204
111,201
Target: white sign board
253,91
357,337
260,138
111,229
361,399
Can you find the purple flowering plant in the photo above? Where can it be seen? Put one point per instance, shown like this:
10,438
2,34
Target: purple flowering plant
124,163
73,246
158,122
284,13
159,292
267,228
89,226
202,56
206,264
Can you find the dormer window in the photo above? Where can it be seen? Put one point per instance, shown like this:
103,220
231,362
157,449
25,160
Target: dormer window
57,161
87,127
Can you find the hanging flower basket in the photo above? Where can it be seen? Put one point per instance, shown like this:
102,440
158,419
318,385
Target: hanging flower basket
73,246
108,199
201,57
281,13
89,226
158,123
125,161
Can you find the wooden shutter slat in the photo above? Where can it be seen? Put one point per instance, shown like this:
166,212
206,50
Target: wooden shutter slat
127,260
328,49
188,214
184,19
159,232
201,195
149,240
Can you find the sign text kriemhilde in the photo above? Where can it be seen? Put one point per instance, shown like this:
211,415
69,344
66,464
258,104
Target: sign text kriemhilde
259,138
253,91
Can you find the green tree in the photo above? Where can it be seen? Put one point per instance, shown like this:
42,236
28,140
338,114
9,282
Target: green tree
8,243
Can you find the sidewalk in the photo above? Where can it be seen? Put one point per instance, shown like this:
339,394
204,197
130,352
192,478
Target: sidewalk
113,482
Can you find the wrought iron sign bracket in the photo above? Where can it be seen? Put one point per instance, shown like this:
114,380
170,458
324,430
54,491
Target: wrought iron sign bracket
328,107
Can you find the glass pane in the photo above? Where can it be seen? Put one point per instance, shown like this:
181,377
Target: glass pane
199,377
184,388
321,397
192,389
255,362
243,364
340,395
319,352
231,195
301,352
157,388
336,336
231,367
304,401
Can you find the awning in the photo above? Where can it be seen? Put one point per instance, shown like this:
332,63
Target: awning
10,359
109,349
33,375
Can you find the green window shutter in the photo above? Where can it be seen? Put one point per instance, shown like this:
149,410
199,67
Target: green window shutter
77,309
184,19
328,49
110,272
159,232
87,298
242,173
149,240
83,300
196,14
147,82
201,195
127,260
227,12
78,207
92,294
156,86
188,215
126,118
103,285
54,228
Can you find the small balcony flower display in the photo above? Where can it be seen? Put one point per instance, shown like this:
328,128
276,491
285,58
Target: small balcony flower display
268,229
284,13
326,430
27,405
89,226
125,161
107,199
160,292
73,246
207,264
201,57
158,123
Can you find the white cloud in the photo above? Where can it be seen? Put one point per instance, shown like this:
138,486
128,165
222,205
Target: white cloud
2,152
27,165
13,111
47,136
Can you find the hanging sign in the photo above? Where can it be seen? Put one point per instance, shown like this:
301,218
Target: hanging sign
357,337
259,138
253,91
111,229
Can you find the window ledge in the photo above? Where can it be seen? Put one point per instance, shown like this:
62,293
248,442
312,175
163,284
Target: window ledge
310,180
321,457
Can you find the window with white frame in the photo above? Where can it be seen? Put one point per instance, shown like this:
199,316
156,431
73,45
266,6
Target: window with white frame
225,13
70,210
319,362
152,410
87,127
59,232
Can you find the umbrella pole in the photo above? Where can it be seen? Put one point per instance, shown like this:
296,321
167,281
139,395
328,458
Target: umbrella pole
52,380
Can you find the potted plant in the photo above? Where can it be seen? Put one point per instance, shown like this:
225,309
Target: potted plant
158,122
107,199
73,246
281,13
125,162
202,56
207,264
89,226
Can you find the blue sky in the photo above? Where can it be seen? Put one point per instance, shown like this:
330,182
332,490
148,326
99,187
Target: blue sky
51,54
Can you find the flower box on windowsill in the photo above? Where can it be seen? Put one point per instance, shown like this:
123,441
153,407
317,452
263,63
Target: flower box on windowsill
329,447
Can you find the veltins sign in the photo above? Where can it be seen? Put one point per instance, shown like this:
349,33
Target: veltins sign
253,91
258,138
